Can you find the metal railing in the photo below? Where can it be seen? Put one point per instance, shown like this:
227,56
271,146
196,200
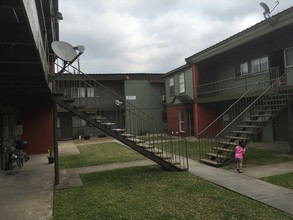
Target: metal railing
237,85
252,108
114,111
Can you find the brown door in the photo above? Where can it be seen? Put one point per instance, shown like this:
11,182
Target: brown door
66,126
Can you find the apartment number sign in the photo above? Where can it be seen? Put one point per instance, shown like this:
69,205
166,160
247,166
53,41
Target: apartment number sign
130,97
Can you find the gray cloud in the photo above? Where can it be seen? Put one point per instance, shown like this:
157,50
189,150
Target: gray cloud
152,36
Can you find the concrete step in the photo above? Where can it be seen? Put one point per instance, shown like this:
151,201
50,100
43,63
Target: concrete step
217,155
211,162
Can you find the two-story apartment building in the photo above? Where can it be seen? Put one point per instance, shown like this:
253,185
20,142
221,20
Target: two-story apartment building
102,95
26,110
236,74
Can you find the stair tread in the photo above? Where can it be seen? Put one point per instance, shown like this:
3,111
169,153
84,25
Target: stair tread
211,162
238,138
108,123
136,140
244,132
248,126
262,115
223,149
119,129
146,146
228,143
217,155
127,135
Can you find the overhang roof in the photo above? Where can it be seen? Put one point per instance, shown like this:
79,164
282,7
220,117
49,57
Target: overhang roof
116,76
22,72
262,28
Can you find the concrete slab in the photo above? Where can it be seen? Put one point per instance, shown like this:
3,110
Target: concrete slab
269,170
27,193
67,148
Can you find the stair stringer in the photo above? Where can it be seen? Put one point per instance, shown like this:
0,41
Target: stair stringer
167,165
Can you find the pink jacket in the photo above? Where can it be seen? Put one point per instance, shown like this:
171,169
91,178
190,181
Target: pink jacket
239,152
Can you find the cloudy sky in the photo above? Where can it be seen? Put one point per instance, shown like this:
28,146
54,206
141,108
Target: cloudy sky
153,35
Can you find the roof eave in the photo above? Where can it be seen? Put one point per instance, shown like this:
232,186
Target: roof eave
260,29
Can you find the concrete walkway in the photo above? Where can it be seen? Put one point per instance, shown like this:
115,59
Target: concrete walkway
27,193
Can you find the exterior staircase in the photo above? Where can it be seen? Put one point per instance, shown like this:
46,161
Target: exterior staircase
168,151
249,115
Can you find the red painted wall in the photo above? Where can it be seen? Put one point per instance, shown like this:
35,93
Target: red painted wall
38,129
204,115
173,119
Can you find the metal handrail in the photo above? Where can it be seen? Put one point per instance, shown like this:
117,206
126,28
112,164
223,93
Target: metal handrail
248,107
241,97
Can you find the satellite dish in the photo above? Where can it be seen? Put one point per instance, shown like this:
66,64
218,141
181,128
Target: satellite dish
266,8
64,50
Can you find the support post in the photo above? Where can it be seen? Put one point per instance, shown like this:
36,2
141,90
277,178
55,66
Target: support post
56,155
290,123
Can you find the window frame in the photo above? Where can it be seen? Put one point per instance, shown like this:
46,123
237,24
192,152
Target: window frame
285,57
181,83
258,61
172,86
181,122
238,70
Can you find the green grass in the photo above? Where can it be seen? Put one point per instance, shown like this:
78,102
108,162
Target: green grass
285,180
97,154
151,193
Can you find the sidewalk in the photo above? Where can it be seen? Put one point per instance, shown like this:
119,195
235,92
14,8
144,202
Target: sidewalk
27,193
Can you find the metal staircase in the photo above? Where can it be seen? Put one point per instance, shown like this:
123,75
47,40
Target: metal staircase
115,116
245,118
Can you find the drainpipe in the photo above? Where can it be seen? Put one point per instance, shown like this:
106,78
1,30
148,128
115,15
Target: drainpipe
56,155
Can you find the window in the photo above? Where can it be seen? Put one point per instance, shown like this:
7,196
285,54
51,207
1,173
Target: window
289,57
171,86
259,64
75,121
241,69
83,123
81,92
74,93
77,92
181,121
181,83
90,92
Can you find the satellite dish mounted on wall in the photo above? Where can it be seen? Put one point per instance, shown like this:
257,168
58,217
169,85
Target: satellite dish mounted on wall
66,52
63,50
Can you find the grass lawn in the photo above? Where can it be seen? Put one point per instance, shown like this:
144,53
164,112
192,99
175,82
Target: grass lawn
100,153
151,193
285,180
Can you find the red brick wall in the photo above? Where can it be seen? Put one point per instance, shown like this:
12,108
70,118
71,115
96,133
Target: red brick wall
38,129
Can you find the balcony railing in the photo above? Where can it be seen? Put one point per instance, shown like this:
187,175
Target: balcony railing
237,85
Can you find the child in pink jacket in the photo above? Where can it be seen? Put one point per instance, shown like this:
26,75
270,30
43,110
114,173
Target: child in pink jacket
239,153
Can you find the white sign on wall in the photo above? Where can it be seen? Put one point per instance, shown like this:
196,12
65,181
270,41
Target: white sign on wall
130,97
